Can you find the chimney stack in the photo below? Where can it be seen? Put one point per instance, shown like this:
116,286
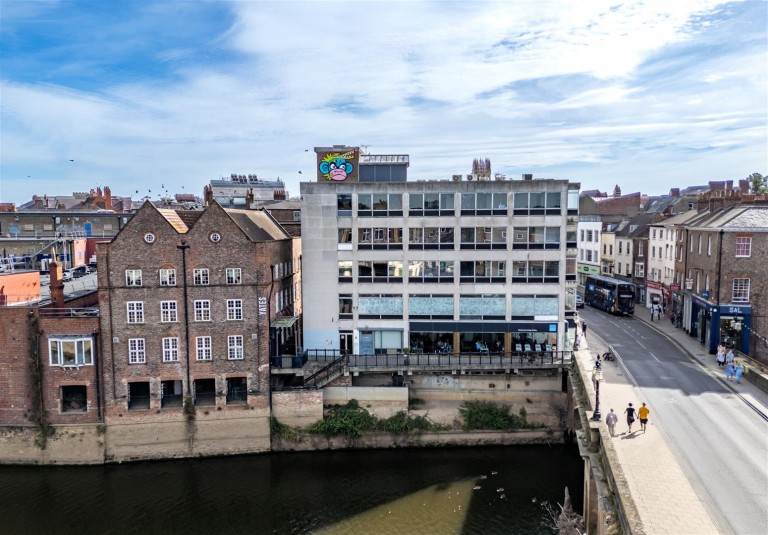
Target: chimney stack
57,284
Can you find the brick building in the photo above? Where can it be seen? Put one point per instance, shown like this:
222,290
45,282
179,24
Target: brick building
191,315
722,270
48,361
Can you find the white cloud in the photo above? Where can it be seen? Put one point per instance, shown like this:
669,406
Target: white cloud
532,85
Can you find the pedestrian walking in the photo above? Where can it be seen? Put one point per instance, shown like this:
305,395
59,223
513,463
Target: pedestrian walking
611,420
730,370
739,371
720,356
583,328
630,412
653,312
729,356
643,413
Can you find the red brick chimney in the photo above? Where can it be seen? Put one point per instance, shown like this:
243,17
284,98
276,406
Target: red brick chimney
57,284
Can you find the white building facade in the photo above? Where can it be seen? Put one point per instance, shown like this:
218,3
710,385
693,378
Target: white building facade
438,266
589,247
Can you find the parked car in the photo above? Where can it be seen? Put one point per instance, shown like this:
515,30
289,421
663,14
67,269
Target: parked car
579,301
80,271
67,275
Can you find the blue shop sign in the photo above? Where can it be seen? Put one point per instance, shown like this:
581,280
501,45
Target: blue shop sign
705,294
738,310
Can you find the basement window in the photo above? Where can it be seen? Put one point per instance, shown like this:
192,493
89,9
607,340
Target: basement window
74,398
237,390
138,396
171,394
205,392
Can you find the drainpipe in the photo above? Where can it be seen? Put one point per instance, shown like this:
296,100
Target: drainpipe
183,246
719,276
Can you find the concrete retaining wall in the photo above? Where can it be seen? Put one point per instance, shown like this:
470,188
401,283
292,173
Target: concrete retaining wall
298,409
381,402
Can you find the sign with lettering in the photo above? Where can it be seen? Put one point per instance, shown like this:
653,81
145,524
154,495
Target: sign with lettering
262,306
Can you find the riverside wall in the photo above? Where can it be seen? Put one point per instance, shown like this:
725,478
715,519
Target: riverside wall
213,432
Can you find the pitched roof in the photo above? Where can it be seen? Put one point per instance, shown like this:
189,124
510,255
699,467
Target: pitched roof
257,225
173,218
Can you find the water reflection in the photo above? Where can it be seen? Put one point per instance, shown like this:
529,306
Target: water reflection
390,491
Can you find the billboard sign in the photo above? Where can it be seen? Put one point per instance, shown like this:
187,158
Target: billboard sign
337,164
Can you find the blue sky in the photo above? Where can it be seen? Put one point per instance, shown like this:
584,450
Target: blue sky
648,95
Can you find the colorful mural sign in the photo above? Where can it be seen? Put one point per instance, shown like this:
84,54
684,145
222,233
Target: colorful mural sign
337,164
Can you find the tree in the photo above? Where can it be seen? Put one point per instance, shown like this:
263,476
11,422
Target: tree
758,183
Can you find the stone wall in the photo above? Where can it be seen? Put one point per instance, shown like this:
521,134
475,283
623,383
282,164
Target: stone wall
298,409
67,444
209,433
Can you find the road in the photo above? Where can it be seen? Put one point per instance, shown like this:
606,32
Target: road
721,442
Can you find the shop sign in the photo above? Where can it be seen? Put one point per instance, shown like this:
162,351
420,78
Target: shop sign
705,294
654,285
689,284
674,287
736,310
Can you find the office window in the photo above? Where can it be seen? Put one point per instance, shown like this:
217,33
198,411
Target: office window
344,204
640,248
297,215
235,347
483,271
203,348
639,270
345,270
699,251
379,204
70,351
200,277
430,271
168,312
582,234
136,351
653,252
345,238
431,204
234,309
589,235
740,291
743,246
345,306
133,277
709,245
234,276
135,311
167,277
202,310
170,349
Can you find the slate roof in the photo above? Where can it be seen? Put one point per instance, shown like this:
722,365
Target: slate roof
257,225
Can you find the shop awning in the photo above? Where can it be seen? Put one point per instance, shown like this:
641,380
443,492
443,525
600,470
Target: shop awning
287,321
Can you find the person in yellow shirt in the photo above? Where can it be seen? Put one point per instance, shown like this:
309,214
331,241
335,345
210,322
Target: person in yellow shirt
643,413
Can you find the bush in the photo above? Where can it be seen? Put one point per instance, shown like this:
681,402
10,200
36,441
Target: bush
352,421
485,415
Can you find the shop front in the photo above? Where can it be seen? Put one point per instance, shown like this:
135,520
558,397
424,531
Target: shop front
727,324
654,294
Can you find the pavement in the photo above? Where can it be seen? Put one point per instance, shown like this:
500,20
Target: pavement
663,495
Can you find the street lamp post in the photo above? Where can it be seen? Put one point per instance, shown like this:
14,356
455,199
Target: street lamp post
597,375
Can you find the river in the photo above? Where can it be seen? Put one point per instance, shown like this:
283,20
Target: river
416,491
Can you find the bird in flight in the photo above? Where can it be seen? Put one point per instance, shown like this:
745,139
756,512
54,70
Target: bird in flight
299,172
71,160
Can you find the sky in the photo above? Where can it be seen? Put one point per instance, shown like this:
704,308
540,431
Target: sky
137,94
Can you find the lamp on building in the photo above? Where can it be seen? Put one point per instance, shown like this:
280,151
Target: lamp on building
597,376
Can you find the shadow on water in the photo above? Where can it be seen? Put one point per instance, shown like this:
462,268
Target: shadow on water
343,492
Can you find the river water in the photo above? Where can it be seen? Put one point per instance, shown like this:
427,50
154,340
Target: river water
417,491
